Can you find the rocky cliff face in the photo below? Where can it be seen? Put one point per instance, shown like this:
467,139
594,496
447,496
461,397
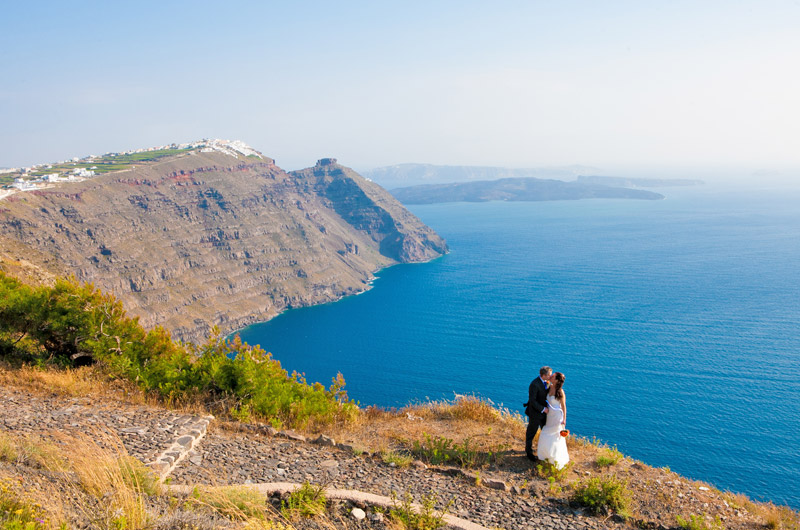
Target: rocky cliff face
208,238
370,209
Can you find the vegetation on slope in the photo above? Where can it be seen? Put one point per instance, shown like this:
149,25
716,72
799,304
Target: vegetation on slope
75,482
65,323
102,164
69,323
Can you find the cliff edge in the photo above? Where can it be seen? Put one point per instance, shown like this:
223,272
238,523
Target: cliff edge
212,238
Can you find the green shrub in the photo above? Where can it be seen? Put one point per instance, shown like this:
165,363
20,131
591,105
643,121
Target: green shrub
398,459
305,501
552,474
697,522
608,456
440,450
602,495
426,518
434,449
69,321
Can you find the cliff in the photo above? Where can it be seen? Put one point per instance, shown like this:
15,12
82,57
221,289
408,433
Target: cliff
212,238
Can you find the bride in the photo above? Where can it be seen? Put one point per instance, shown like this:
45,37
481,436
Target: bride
552,446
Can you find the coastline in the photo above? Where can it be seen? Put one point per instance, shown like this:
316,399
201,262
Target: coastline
545,290
368,285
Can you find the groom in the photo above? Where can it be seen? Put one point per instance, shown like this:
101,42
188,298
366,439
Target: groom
536,408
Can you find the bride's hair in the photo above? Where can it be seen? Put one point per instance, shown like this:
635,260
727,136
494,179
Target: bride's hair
559,382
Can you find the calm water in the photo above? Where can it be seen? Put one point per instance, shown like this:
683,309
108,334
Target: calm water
676,322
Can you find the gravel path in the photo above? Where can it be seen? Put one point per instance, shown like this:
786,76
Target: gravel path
223,457
245,458
145,432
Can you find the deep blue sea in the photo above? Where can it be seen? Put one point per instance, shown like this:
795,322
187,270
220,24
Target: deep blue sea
676,322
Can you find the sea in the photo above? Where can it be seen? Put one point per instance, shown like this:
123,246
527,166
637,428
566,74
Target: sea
676,324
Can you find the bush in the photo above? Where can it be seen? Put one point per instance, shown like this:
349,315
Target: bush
426,518
305,501
440,450
68,322
697,522
608,457
602,495
549,471
398,459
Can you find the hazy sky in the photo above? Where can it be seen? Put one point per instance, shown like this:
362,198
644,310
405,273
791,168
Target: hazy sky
620,85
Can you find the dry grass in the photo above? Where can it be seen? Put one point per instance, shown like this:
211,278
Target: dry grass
69,382
774,517
90,381
46,491
658,494
82,480
777,517
8,449
464,418
85,484
13,264
107,472
465,408
31,451
237,503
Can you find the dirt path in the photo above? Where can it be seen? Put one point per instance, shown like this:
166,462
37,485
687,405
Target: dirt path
177,445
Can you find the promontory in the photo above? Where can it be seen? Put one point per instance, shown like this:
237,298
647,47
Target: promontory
210,235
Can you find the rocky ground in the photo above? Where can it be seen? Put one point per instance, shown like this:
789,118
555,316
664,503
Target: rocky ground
239,458
506,494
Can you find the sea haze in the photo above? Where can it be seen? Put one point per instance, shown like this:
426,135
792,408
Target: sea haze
676,322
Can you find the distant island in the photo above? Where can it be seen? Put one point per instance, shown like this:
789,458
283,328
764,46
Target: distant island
628,182
516,189
404,175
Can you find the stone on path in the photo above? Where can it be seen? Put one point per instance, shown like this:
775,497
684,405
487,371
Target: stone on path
291,435
329,464
269,430
358,514
323,440
495,484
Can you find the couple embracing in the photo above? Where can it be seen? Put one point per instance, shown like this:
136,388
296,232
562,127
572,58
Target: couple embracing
547,409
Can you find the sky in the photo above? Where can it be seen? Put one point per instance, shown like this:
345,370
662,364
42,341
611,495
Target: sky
625,86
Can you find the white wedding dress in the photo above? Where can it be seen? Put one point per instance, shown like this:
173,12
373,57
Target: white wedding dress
552,446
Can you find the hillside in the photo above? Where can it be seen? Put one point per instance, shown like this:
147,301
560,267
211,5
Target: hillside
208,237
464,457
516,189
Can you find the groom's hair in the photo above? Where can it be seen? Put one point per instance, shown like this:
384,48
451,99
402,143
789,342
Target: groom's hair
544,370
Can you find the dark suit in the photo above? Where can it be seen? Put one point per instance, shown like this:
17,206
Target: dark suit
537,402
